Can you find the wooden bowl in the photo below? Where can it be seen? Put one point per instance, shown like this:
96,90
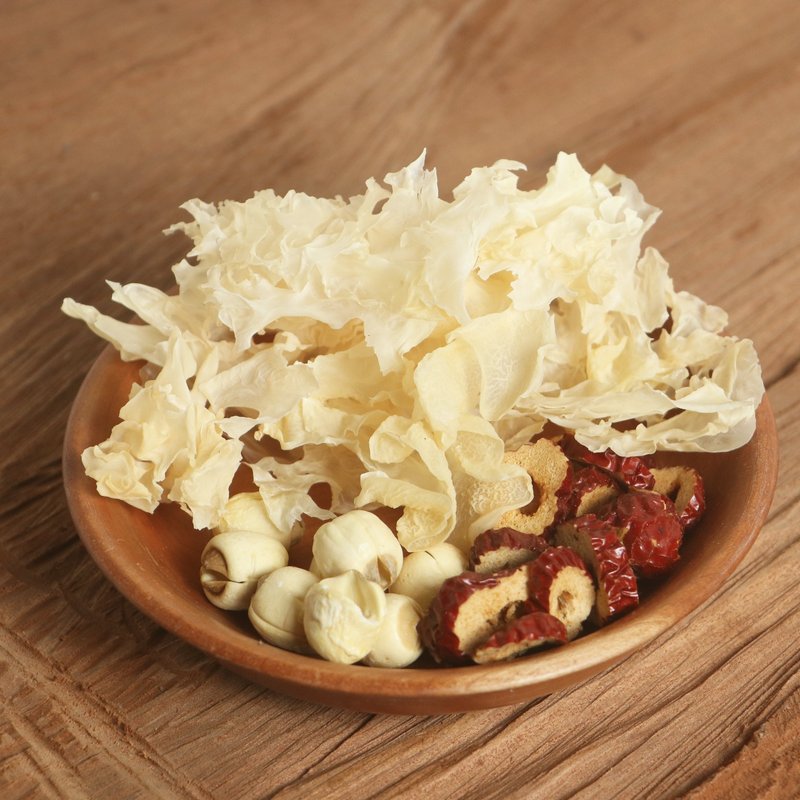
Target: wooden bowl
154,561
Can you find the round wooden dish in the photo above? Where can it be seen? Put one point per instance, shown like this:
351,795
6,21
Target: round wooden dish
154,562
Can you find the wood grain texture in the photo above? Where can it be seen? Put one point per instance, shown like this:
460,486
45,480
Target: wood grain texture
114,113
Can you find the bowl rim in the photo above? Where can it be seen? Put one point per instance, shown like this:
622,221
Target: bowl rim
410,690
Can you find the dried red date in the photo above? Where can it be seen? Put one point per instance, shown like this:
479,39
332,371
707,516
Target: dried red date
468,609
561,585
592,489
598,544
504,548
611,519
521,635
633,471
684,486
650,530
551,475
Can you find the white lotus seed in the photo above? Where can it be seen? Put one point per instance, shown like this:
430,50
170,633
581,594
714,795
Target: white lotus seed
231,564
277,608
361,541
246,511
425,571
343,615
398,643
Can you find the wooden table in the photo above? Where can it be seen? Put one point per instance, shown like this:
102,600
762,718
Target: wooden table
114,113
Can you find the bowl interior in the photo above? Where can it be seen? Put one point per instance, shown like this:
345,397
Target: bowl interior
154,560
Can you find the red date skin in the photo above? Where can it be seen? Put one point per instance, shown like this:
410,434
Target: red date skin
564,496
599,543
505,539
686,485
650,530
695,507
525,633
633,471
437,628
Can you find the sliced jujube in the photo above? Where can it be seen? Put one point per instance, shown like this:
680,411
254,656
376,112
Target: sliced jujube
598,544
551,475
504,548
633,471
521,635
650,530
468,609
561,585
592,490
684,486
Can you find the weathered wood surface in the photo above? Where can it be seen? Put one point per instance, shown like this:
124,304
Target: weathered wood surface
114,113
